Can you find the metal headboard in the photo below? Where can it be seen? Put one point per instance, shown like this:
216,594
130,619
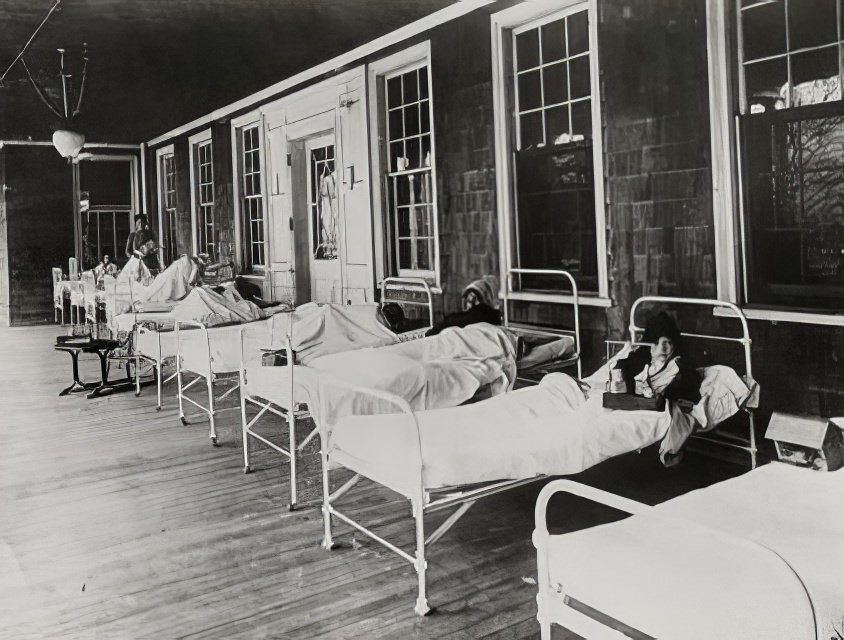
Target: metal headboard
745,341
575,302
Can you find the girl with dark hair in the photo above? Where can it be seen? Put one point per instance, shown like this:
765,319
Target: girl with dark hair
660,369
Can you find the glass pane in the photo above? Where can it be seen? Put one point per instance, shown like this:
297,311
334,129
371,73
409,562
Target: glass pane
404,221
426,151
555,83
404,254
397,162
578,33
811,23
763,28
396,128
423,227
423,256
553,41
394,92
557,124
579,85
766,85
423,83
581,118
413,152
530,90
424,117
815,77
411,87
411,120
531,129
527,50
822,143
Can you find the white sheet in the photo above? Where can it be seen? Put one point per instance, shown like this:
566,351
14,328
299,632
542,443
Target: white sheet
674,581
548,429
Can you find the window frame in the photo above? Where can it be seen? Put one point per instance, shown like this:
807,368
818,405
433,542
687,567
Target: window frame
727,180
504,24
194,142
238,126
160,154
378,72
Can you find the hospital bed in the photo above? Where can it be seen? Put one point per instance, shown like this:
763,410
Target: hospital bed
449,458
271,393
755,556
436,371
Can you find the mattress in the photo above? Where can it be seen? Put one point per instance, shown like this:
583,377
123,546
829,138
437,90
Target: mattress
734,560
547,429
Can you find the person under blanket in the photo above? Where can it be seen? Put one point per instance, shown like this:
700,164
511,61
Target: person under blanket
660,369
480,304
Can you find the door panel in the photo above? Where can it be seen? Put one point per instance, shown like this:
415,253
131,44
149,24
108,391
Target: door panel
282,263
323,220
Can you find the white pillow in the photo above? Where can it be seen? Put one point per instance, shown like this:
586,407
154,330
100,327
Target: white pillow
722,394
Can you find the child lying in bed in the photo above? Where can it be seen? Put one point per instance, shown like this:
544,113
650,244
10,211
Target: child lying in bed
660,369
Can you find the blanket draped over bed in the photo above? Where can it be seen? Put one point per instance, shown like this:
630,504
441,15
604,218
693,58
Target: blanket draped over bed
548,429
769,538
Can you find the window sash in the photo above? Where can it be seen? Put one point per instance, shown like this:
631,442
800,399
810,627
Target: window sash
252,199
206,229
555,223
411,199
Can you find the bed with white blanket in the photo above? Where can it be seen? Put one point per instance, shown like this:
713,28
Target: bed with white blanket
756,556
450,457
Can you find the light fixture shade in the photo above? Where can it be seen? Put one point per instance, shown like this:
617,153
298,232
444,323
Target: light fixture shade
68,143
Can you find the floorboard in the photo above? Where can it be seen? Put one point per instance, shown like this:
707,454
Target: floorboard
120,522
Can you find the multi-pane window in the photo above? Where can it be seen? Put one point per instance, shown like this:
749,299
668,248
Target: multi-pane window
206,230
792,142
167,172
252,198
104,231
554,177
411,197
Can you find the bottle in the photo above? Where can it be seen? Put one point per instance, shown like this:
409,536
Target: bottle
617,381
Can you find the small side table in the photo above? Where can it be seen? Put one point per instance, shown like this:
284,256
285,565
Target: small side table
85,345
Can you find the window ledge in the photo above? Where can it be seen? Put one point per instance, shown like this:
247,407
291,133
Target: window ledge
778,315
560,298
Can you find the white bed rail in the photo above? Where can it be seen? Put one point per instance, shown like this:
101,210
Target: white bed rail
748,446
565,276
204,370
409,284
554,605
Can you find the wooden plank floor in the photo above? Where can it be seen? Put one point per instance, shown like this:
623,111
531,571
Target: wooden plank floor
116,521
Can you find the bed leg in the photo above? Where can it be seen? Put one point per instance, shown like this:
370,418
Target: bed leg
179,385
209,383
137,375
291,425
327,540
243,427
543,577
158,375
420,565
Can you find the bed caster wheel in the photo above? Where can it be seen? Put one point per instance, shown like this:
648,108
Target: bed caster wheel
214,441
158,408
247,469
137,394
291,507
184,420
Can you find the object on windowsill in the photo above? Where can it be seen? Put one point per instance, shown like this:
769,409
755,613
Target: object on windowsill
808,441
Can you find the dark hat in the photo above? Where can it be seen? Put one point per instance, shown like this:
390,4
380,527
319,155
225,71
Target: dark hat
662,325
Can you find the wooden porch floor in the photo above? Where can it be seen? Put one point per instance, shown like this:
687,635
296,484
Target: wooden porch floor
116,521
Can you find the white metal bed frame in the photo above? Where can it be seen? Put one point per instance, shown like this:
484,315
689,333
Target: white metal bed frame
425,501
297,412
725,439
421,502
527,329
213,377
555,606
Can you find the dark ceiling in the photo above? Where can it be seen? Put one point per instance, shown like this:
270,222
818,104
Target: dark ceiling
156,64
